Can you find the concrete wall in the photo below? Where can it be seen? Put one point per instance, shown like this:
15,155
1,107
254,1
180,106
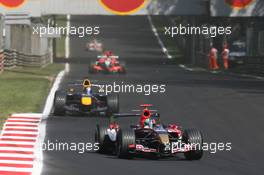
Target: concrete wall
27,42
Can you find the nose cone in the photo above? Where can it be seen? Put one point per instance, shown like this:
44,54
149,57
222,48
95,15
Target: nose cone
164,138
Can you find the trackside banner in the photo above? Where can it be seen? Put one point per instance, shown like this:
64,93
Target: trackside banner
235,8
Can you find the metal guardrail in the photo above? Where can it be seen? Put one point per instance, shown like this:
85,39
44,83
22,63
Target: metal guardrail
12,58
1,61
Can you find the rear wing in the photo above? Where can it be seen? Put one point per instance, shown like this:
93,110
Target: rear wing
125,115
104,56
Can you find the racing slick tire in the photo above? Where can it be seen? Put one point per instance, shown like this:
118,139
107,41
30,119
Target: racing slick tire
91,68
101,137
123,65
125,138
193,136
112,102
59,103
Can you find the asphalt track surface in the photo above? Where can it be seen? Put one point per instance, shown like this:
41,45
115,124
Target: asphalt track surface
225,108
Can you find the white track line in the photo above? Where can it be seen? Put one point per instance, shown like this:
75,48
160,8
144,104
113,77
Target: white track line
49,101
67,44
38,163
27,115
155,31
67,40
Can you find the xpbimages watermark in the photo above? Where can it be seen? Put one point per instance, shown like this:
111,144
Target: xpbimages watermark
82,147
80,31
211,31
146,89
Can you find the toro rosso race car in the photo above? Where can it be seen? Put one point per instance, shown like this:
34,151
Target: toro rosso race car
107,63
149,137
84,101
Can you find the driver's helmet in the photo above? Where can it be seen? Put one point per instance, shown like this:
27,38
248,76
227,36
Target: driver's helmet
147,123
155,119
86,83
108,62
108,53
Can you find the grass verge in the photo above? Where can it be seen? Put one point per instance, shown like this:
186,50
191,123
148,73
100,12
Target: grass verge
25,89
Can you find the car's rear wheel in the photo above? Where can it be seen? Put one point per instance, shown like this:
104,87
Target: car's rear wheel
126,140
193,137
91,68
112,101
59,103
123,68
101,137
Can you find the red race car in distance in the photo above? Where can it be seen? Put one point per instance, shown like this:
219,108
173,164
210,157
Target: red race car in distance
107,63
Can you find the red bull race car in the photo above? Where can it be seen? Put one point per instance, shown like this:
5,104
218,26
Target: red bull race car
81,100
149,137
107,63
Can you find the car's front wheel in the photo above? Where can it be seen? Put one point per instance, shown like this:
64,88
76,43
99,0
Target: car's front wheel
195,139
59,103
126,141
112,101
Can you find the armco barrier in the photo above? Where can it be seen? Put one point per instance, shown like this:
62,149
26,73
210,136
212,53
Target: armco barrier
1,61
13,58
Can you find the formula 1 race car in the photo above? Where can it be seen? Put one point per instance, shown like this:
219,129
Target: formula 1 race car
149,137
107,63
94,45
85,102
